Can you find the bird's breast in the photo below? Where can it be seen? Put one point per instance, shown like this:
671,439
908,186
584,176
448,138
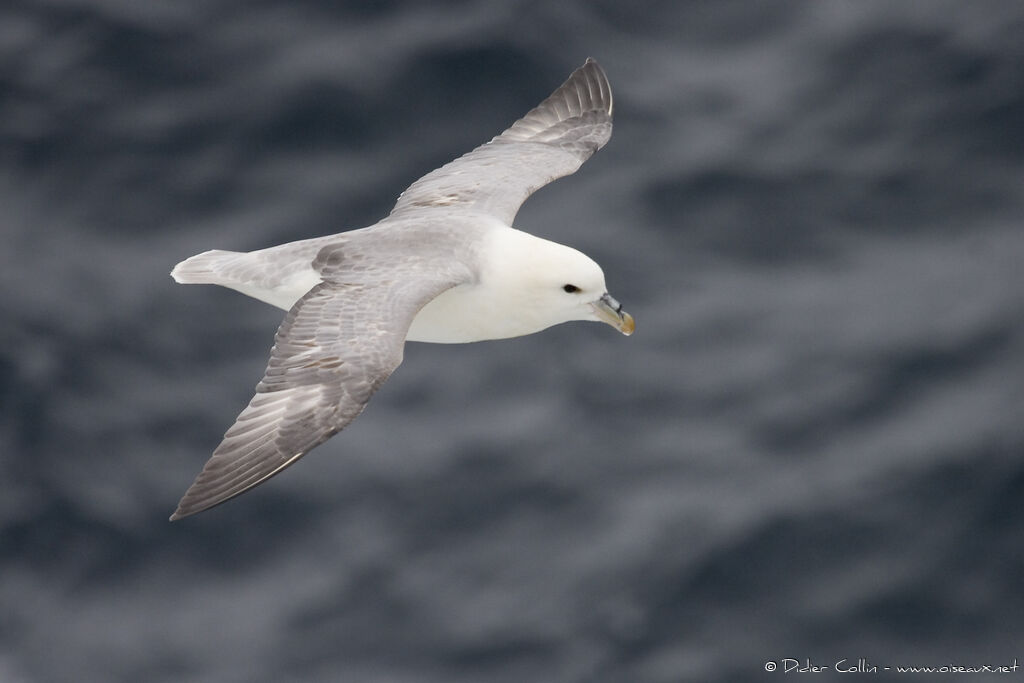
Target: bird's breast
467,313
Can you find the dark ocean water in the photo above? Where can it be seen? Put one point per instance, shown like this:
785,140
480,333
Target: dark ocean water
812,448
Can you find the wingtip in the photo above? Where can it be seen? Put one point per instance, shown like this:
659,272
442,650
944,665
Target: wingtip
187,509
594,76
602,83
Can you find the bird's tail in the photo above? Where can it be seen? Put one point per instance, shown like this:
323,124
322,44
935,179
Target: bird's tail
206,268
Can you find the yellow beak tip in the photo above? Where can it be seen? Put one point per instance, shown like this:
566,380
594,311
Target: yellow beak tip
628,324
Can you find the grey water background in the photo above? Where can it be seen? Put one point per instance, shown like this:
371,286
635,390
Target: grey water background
812,448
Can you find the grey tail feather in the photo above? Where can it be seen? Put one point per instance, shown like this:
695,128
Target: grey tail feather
203,268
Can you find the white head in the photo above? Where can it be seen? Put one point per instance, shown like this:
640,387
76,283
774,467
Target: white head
543,283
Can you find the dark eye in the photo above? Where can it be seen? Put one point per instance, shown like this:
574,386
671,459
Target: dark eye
570,289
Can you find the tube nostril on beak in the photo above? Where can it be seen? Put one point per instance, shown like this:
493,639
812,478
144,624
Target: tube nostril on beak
610,311
611,302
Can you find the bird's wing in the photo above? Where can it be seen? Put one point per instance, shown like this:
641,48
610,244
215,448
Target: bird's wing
336,346
551,141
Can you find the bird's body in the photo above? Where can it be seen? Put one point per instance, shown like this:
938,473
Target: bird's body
282,275
445,266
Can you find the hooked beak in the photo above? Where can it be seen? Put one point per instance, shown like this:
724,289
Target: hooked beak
608,310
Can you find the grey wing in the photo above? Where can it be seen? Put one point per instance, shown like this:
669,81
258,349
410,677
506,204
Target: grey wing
551,141
336,346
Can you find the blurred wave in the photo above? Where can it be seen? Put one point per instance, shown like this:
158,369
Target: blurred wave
812,447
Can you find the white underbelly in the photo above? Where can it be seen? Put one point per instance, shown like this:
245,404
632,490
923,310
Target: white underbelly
457,316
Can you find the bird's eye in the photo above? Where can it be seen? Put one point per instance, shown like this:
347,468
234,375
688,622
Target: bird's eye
570,289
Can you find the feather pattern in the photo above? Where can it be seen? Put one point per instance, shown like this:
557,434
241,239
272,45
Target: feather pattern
333,350
551,141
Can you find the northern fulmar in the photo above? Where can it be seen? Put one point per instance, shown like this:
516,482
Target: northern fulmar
444,266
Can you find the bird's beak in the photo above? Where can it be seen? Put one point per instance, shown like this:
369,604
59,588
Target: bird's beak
608,310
